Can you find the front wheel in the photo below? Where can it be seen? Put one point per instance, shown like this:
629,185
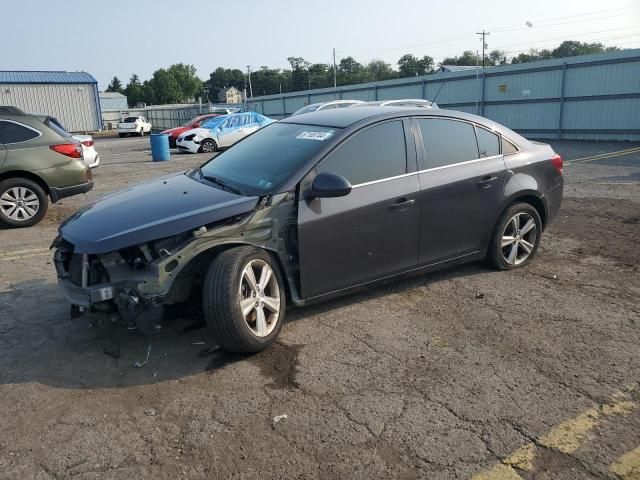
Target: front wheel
244,299
516,237
208,146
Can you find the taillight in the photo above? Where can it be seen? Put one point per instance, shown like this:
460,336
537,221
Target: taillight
88,143
73,150
556,160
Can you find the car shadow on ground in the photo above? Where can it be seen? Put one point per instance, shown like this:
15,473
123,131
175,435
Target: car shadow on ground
40,343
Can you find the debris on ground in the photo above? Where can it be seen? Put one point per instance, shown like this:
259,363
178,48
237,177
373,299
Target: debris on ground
278,418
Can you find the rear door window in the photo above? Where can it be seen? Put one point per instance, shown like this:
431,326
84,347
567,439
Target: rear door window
447,142
375,153
488,143
11,132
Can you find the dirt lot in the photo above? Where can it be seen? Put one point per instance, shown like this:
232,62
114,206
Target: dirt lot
527,374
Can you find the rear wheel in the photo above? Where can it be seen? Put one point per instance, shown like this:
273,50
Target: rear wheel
244,299
23,202
121,135
516,238
208,146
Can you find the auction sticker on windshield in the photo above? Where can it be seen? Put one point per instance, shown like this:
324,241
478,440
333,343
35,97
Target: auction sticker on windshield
320,136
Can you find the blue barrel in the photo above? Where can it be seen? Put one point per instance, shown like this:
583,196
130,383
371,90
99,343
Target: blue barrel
160,147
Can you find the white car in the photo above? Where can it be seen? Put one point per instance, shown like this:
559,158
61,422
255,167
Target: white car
220,132
134,126
89,153
315,107
404,102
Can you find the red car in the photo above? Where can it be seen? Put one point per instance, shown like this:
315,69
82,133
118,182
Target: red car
193,123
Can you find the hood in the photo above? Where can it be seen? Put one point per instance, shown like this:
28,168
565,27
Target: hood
149,211
201,132
174,131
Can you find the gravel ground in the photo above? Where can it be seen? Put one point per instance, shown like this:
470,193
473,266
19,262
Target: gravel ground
465,373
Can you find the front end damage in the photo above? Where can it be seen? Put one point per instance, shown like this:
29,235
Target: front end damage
132,285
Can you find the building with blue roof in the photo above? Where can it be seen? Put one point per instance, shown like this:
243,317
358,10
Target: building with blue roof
71,97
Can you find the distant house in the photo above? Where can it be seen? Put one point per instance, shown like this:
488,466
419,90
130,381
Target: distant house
230,95
457,68
112,101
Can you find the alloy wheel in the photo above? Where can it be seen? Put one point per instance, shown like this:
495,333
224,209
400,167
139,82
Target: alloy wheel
259,296
19,204
208,147
518,238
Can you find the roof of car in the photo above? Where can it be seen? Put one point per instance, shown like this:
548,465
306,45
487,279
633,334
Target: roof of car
345,117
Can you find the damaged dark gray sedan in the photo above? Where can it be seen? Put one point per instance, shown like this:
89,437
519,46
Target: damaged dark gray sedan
306,209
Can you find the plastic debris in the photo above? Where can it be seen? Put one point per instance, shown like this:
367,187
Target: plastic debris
278,418
138,364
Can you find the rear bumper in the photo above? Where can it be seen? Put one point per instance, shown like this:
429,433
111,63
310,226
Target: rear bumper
553,200
60,193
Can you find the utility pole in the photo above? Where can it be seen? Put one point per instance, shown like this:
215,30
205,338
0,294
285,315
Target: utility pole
484,44
335,83
249,73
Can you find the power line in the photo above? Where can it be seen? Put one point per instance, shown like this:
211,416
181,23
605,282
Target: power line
543,21
564,37
536,23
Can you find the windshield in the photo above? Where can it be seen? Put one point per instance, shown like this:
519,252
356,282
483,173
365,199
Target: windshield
261,163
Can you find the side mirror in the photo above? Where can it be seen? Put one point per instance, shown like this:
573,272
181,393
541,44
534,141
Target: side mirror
196,125
327,185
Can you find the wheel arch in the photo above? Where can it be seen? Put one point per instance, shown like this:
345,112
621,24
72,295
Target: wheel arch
201,261
533,199
26,175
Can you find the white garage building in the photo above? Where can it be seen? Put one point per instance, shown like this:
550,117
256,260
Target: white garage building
71,97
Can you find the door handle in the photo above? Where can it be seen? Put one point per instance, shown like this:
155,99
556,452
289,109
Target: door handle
402,204
487,181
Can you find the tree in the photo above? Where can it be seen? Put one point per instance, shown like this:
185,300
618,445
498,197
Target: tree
467,58
409,65
165,87
115,85
379,70
321,75
189,85
497,57
299,73
134,91
531,56
571,48
222,78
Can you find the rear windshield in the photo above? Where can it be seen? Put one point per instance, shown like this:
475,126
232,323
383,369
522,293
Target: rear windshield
265,160
130,119
56,127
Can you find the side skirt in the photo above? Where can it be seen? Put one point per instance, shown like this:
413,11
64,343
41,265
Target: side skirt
467,258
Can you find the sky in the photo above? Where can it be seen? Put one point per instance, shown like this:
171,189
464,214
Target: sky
125,37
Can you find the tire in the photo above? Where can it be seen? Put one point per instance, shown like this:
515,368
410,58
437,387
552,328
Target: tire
516,237
121,135
208,146
225,287
28,199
